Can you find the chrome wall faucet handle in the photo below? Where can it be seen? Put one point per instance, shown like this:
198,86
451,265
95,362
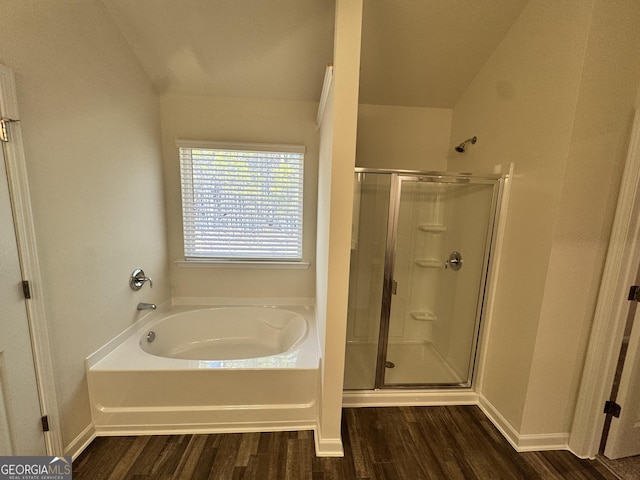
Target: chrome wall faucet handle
454,262
146,306
138,278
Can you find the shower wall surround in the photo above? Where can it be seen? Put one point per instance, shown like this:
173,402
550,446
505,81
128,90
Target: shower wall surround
420,251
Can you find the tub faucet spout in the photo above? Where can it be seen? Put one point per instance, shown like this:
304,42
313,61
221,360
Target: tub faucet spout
146,306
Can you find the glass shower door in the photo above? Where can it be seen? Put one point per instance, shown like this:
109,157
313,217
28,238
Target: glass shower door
437,253
368,241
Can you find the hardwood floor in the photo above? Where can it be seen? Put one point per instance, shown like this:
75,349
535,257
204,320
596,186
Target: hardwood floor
409,443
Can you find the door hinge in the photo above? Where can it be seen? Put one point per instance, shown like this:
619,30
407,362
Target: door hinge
394,287
4,133
634,293
26,289
45,423
612,408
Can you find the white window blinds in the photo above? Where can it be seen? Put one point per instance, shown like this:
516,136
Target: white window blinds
242,202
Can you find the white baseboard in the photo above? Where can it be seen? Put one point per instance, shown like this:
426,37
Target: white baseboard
543,441
82,441
414,398
197,429
527,442
521,443
501,423
327,447
332,447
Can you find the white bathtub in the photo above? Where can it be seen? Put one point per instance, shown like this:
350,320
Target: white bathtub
225,333
208,369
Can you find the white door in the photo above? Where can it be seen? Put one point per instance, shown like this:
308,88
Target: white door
20,419
624,433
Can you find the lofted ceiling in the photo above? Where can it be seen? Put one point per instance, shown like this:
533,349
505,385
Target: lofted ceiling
424,53
414,52
275,49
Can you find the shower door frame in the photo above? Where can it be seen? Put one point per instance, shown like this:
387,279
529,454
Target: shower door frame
397,177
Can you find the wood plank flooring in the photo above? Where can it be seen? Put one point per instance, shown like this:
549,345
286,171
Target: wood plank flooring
403,443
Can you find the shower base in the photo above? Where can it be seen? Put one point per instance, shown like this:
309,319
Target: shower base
416,363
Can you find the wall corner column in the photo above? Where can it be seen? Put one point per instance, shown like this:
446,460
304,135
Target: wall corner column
335,197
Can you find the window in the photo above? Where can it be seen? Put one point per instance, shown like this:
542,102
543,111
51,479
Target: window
241,201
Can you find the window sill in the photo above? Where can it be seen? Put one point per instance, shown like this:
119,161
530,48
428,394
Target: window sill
241,264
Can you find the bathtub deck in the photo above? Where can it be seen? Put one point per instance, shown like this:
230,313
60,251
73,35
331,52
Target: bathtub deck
133,392
123,353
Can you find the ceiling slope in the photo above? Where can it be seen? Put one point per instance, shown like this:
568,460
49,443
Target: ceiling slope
424,53
276,49
420,53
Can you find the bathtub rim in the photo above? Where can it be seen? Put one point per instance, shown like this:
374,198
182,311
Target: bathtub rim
286,320
132,333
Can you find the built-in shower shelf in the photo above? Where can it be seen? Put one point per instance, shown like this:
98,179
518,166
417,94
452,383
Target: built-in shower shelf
428,262
423,316
432,227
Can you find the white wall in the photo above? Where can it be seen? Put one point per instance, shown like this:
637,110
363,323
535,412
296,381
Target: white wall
597,152
521,106
335,191
239,120
556,98
409,138
324,217
90,123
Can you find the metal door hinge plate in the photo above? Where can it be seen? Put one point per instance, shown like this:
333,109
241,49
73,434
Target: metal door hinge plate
45,423
26,289
612,408
634,293
4,134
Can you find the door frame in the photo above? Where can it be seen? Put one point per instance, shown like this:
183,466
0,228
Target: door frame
621,267
29,263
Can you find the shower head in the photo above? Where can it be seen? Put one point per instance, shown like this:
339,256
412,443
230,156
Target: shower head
461,148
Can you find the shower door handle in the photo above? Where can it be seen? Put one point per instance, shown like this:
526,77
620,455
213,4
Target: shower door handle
454,261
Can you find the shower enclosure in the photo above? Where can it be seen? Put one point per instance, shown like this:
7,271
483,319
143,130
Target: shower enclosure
419,260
